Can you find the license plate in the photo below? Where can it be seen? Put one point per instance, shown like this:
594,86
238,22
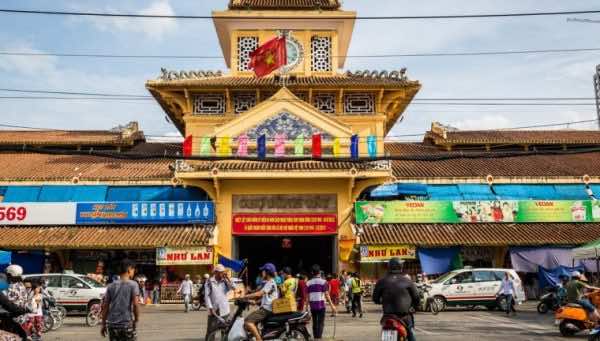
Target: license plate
389,335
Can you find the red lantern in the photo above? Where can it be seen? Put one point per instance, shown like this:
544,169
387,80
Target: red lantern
286,243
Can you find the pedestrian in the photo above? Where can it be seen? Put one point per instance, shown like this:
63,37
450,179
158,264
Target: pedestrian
120,310
36,317
318,294
290,284
334,289
507,290
216,290
185,289
348,291
156,292
356,288
301,292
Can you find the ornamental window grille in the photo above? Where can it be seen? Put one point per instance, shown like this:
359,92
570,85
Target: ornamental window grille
325,102
209,104
302,95
243,101
359,103
245,45
265,95
321,54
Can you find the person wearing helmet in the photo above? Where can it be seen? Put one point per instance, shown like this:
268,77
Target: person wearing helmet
576,294
8,327
17,293
398,295
267,294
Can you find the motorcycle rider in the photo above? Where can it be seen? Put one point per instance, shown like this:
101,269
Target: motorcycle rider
398,295
575,294
9,310
267,294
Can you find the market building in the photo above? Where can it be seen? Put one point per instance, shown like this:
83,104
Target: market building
294,169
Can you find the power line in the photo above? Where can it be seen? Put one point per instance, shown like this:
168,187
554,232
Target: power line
396,55
300,17
58,92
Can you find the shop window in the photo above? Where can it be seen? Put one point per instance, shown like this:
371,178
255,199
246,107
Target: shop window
245,45
209,104
359,103
325,102
243,101
321,54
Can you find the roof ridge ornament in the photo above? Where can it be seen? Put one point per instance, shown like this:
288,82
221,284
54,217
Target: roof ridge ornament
396,74
170,75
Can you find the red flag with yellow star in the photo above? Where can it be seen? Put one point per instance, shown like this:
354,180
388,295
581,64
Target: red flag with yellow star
268,57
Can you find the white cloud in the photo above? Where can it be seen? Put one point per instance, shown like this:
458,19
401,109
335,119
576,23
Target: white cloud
155,29
483,122
26,65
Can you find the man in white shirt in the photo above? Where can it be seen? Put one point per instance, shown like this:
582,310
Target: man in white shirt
507,290
267,294
185,289
216,290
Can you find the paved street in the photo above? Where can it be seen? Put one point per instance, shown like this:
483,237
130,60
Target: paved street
168,322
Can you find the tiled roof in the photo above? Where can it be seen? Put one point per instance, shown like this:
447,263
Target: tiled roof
341,80
43,167
98,237
465,164
62,138
438,235
284,4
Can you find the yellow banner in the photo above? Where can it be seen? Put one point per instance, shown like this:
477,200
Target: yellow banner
202,255
346,246
379,253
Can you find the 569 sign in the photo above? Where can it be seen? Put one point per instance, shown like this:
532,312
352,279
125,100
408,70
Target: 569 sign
12,213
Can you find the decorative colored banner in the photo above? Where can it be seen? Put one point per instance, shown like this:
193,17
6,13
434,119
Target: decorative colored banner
346,246
381,253
496,211
180,212
185,256
284,224
37,213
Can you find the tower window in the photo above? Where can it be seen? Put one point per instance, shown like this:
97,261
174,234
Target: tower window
359,103
245,45
321,54
209,104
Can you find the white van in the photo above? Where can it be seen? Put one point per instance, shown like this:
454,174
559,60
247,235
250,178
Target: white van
73,291
473,287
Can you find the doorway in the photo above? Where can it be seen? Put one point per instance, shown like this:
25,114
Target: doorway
297,252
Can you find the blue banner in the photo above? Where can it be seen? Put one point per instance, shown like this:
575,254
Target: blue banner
146,212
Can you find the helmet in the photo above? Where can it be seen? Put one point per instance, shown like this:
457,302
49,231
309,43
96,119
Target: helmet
395,264
575,274
206,276
14,270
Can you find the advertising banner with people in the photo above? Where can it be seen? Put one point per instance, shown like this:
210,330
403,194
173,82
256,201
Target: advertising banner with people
483,211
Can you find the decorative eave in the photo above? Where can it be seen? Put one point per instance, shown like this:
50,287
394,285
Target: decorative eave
284,5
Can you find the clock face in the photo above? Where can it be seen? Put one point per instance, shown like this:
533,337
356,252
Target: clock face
294,53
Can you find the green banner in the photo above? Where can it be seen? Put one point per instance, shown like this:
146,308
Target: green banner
483,211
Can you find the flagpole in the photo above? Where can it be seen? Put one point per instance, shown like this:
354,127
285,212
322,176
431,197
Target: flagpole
283,71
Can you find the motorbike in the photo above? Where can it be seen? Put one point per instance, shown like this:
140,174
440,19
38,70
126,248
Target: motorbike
572,318
393,328
290,326
54,314
427,302
549,301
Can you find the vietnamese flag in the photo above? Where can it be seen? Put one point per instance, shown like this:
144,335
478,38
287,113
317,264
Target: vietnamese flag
187,146
269,57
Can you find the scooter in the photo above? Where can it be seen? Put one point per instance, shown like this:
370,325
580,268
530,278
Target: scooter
393,328
427,301
290,326
572,318
549,301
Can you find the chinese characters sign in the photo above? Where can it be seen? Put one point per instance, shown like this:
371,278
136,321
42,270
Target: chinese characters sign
284,224
379,253
496,211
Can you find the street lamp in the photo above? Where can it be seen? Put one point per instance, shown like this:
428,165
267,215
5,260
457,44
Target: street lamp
597,92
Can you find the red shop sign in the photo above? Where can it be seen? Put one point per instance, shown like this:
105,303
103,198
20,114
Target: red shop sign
284,224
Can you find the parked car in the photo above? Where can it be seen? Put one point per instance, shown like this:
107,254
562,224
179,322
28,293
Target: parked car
473,287
73,291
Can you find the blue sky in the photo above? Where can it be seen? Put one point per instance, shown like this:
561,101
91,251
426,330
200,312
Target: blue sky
544,75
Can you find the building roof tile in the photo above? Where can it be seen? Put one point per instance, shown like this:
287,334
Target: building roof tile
66,137
284,4
99,237
438,235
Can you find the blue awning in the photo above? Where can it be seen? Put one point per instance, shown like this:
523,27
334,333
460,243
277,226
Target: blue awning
437,260
72,193
153,193
22,194
443,192
397,189
475,192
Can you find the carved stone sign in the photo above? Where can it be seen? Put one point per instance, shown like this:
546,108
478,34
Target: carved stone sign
285,203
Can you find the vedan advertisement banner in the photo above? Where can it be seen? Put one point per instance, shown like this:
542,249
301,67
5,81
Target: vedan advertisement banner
202,255
496,211
284,224
381,253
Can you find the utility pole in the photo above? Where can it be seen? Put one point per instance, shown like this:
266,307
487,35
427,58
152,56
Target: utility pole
597,92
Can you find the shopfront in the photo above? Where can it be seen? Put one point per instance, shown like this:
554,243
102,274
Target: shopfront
374,258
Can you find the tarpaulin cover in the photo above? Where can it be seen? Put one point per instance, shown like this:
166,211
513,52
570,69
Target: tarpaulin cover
437,260
22,194
528,259
32,262
5,257
550,277
396,189
235,265
476,192
443,192
153,193
72,193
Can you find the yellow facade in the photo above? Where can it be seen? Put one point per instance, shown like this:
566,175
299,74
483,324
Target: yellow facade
293,95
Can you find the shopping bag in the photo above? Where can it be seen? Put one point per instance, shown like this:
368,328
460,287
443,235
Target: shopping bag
237,332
